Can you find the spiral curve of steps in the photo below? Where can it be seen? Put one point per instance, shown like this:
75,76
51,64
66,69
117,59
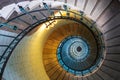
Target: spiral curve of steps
29,50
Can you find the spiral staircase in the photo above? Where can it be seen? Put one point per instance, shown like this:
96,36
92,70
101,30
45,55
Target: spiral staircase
59,40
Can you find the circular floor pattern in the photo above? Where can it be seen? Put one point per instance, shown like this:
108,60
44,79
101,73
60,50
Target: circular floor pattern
71,50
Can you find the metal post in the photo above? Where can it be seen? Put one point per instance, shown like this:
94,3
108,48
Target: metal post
81,14
48,8
9,26
24,11
66,9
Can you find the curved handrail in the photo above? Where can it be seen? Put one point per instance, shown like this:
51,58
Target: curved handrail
6,55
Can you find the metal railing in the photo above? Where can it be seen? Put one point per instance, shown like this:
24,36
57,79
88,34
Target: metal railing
78,17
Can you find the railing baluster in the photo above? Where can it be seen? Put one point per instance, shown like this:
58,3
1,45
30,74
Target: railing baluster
8,25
